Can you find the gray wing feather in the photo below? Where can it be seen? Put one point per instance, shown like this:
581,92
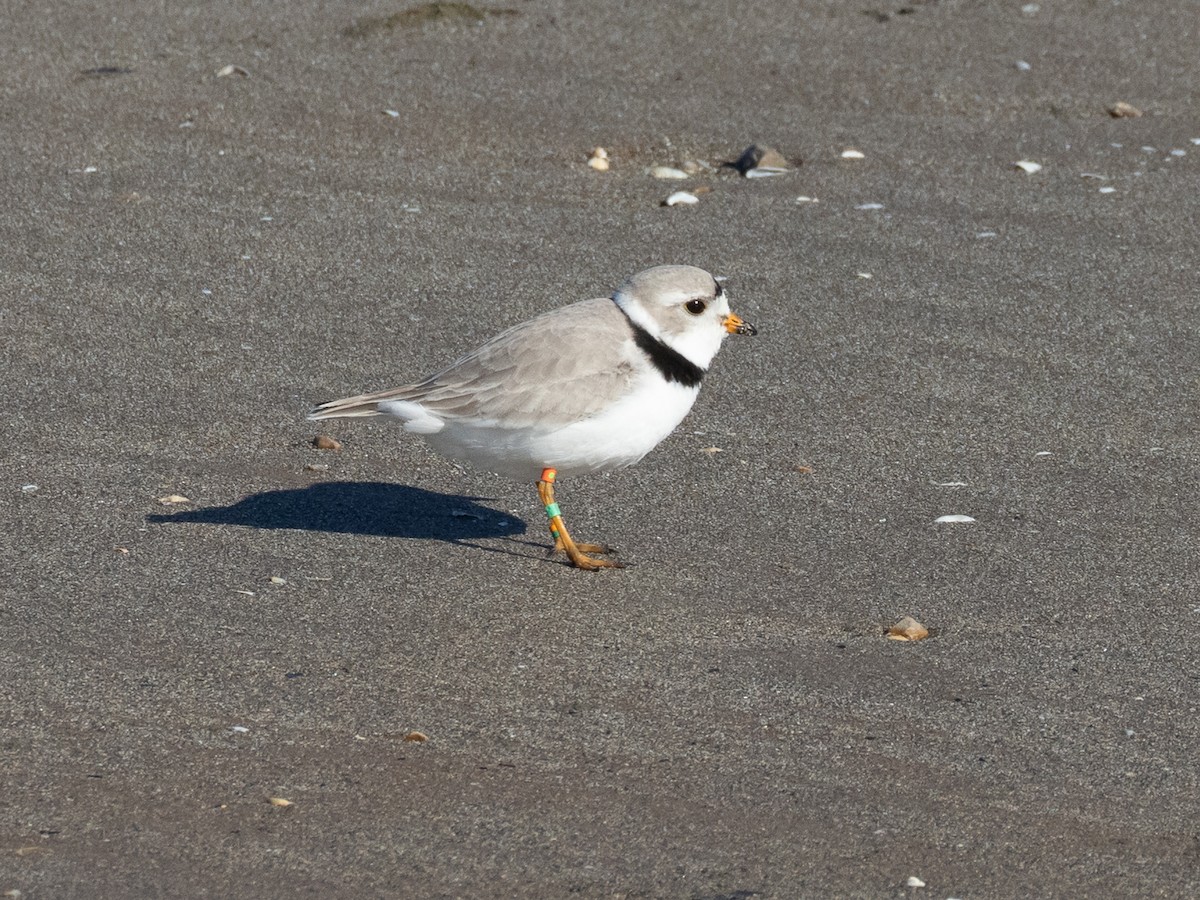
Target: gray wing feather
560,367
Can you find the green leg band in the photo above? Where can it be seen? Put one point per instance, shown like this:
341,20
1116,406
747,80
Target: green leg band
552,510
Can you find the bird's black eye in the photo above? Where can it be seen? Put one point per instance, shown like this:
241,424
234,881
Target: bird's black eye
695,307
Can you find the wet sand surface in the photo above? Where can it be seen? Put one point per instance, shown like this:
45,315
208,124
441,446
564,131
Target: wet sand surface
189,261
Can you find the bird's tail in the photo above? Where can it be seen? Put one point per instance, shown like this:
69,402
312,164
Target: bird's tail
348,407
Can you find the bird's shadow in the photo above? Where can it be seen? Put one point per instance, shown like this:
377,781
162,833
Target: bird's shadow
361,507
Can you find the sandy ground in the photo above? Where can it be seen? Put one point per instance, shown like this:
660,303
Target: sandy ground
188,261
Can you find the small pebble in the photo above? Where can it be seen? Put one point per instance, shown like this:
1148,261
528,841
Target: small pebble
275,579
173,498
758,161
416,737
907,629
1022,66
914,881
668,173
681,197
280,801
1123,110
325,442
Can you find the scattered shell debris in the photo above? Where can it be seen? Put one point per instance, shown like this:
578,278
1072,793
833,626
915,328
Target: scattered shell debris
852,153
954,519
232,70
802,199
325,442
392,113
907,629
416,737
1043,453
758,161
686,198
239,729
599,159
711,451
1123,110
29,489
279,801
869,206
864,275
914,881
173,498
1107,189
275,579
1027,166
1178,152
669,173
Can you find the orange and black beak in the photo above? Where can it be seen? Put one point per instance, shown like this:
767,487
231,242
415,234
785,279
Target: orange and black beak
734,325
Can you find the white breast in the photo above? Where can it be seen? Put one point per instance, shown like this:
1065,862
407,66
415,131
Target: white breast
613,439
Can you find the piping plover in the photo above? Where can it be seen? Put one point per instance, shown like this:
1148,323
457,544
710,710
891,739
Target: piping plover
589,387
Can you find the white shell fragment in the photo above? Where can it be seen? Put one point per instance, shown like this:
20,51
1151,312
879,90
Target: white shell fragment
869,206
1022,66
950,484
393,113
851,153
232,70
599,159
1028,167
914,881
1108,189
668,173
681,197
803,199
29,488
954,520
1196,141
764,172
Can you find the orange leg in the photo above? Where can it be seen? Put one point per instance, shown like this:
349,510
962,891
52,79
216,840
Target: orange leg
562,539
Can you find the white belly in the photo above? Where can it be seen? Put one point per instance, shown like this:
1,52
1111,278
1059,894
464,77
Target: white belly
619,437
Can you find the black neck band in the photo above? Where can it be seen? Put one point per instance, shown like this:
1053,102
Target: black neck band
671,364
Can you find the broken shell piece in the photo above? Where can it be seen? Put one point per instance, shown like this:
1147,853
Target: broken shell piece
392,113
851,153
599,159
232,70
711,451
954,520
803,199
280,801
173,498
1028,167
1123,110
907,629
681,197
416,737
275,579
758,161
914,881
325,442
668,173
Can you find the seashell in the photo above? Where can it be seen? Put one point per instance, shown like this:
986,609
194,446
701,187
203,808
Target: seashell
681,197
